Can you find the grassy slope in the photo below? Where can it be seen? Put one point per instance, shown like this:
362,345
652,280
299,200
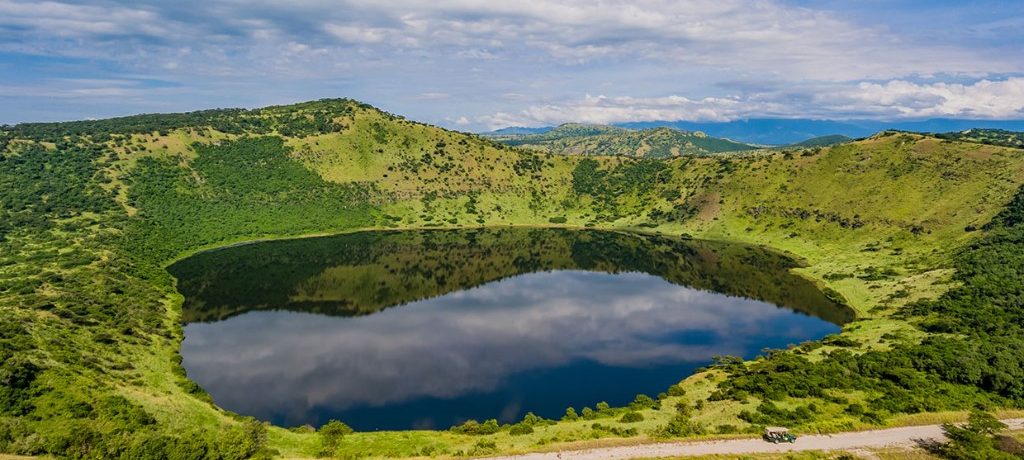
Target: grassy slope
895,204
573,139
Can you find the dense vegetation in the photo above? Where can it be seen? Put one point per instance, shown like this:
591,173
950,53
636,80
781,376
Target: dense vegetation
235,189
822,141
921,235
575,139
988,136
972,358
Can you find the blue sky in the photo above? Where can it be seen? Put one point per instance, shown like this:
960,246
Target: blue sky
476,65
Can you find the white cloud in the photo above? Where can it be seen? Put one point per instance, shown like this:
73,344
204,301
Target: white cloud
522,62
983,99
1003,99
433,96
765,37
355,34
69,20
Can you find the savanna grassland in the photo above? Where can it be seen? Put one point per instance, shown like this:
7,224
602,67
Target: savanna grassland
922,237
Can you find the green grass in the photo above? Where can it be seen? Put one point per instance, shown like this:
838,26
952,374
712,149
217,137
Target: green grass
84,296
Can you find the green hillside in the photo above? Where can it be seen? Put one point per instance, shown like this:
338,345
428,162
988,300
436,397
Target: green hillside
988,136
577,139
922,236
822,141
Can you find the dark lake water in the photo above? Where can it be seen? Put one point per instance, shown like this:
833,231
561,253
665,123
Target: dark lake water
426,329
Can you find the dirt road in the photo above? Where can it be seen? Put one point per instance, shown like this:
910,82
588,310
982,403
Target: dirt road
891,437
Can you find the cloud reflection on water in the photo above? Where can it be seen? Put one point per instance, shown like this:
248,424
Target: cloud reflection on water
294,367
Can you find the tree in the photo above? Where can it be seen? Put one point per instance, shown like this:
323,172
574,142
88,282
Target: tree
975,440
330,436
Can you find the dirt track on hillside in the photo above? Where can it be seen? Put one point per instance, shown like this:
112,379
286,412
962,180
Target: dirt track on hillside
857,440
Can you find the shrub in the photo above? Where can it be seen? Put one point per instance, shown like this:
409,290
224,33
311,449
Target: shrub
632,417
676,390
520,429
476,428
680,426
642,402
330,436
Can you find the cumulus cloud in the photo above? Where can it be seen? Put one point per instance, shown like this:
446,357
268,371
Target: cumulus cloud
729,34
982,99
548,51
471,342
1001,99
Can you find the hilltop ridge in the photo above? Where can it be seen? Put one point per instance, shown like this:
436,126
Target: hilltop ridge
589,139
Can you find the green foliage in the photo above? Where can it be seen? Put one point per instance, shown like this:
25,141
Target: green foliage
676,390
822,141
586,178
631,417
641,402
331,434
680,426
240,188
607,140
297,120
38,186
602,430
472,427
942,372
520,429
987,136
89,216
975,440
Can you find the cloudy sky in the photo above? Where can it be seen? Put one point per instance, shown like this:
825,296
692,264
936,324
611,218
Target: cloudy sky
482,64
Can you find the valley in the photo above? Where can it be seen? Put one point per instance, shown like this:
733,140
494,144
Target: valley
919,235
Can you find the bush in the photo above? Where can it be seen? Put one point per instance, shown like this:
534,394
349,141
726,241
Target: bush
975,440
558,220
642,402
330,436
473,427
483,447
520,429
680,426
632,417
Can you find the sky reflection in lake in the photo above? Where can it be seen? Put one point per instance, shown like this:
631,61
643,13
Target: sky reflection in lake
539,341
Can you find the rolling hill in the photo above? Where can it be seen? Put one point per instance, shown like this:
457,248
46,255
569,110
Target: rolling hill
578,139
777,131
904,227
822,141
988,136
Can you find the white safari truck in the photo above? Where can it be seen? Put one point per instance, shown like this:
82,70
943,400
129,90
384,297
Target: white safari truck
777,434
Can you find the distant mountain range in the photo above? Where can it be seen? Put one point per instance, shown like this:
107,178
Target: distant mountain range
776,131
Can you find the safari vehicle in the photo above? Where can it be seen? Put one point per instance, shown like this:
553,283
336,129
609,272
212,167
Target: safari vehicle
777,434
